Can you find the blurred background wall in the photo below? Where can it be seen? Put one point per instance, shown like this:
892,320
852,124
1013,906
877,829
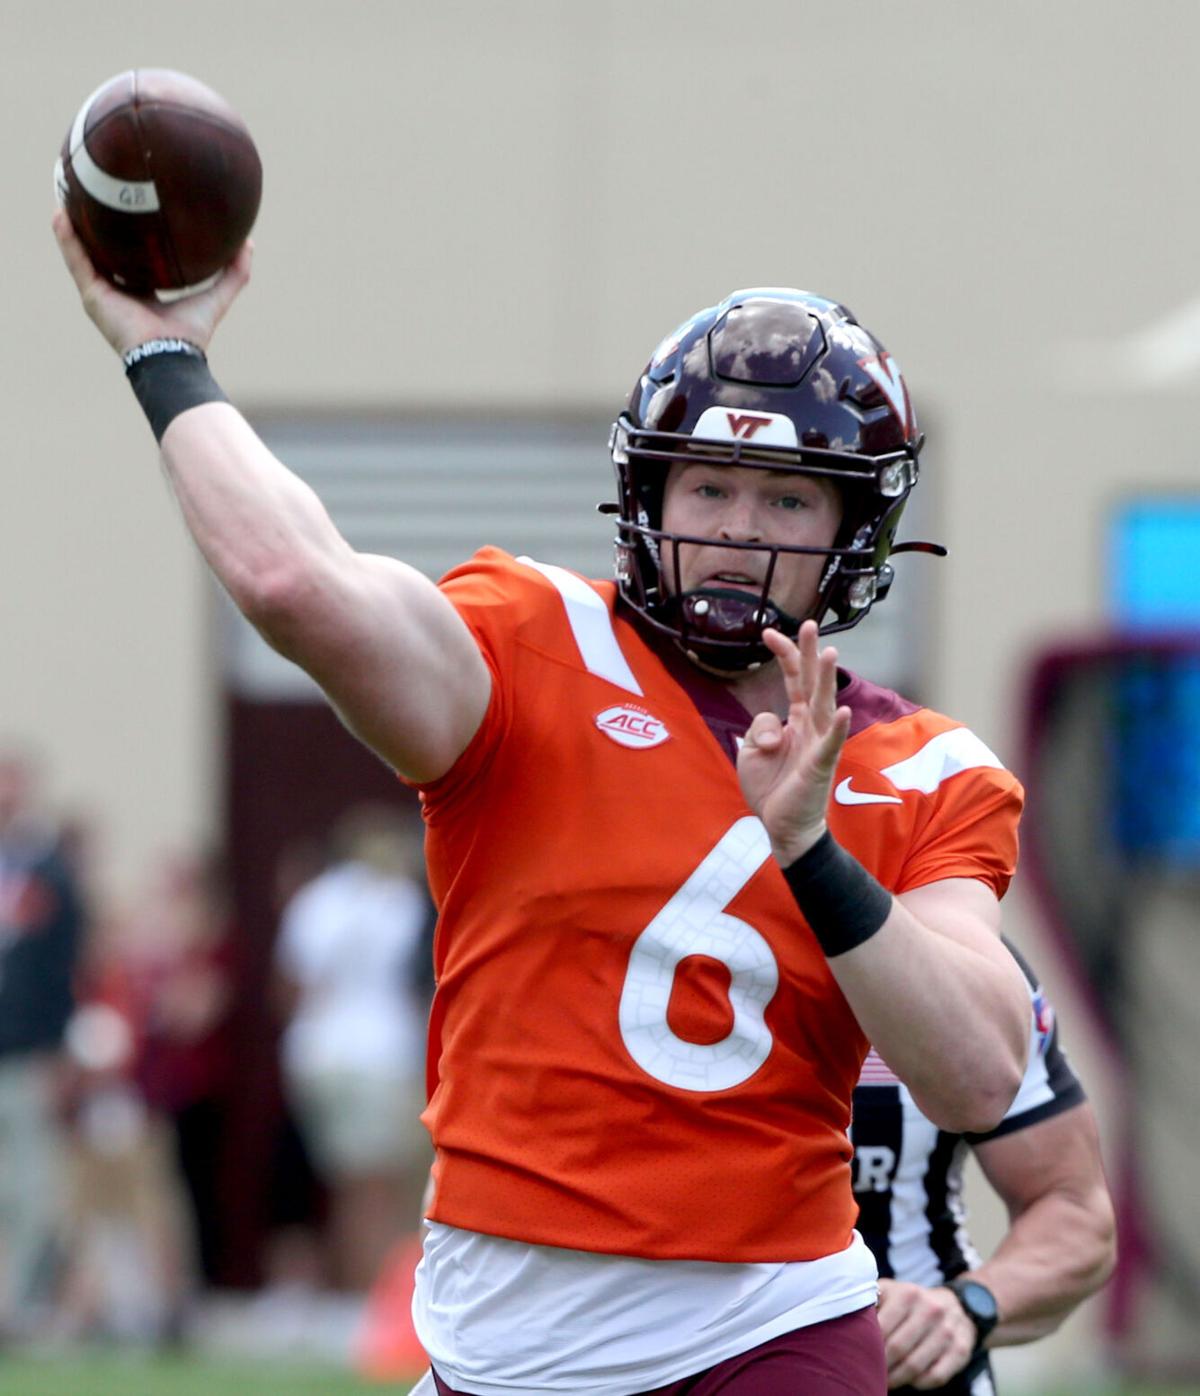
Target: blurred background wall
490,208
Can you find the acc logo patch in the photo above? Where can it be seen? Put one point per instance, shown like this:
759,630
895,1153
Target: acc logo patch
633,727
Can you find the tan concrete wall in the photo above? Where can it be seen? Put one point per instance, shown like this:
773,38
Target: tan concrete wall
480,205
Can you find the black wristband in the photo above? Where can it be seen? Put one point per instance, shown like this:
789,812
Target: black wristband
168,376
838,897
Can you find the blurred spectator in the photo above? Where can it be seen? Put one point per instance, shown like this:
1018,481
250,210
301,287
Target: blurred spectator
152,1064
352,1053
129,1265
293,1262
40,926
179,964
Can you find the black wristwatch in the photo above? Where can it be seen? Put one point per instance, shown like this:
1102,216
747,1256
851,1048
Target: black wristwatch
979,1304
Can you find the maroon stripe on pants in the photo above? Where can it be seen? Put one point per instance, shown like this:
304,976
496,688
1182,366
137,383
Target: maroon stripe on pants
841,1357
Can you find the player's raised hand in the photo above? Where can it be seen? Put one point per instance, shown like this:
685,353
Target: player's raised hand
126,321
786,767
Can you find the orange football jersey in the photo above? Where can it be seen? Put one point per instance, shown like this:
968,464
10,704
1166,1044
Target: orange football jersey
636,1044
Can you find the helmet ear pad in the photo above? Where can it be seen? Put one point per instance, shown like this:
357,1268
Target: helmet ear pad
646,486
852,585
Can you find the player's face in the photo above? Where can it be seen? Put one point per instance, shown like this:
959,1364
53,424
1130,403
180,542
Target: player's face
739,504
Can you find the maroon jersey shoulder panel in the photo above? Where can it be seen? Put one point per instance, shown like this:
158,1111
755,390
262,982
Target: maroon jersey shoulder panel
724,716
727,719
870,704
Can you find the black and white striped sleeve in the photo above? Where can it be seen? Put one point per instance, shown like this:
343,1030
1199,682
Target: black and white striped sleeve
1050,1086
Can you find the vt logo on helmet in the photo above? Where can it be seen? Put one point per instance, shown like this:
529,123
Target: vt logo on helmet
784,381
743,424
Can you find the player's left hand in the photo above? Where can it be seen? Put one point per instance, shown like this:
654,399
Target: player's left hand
786,767
926,1334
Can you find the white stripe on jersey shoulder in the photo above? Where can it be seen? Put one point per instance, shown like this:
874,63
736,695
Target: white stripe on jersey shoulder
591,625
943,756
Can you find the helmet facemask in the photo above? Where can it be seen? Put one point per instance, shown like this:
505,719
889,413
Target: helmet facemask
722,627
836,426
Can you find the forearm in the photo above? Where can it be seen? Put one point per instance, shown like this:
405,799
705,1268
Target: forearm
390,652
255,522
950,1018
1055,1254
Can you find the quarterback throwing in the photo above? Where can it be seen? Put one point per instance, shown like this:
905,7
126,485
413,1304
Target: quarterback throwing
686,868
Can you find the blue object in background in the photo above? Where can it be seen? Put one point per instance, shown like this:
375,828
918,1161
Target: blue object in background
1156,762
1154,571
1154,563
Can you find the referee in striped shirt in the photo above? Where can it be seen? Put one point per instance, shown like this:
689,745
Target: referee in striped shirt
941,1308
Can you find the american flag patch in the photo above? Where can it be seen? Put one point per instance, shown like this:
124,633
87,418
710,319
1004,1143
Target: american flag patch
876,1072
1043,1014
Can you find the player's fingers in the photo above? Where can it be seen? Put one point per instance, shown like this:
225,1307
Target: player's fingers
939,1372
73,252
829,745
825,688
765,733
890,1309
898,1344
787,652
908,1357
784,650
917,1368
797,663
239,269
806,646
929,1350
232,281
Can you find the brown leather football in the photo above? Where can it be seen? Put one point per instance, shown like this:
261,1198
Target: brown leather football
161,180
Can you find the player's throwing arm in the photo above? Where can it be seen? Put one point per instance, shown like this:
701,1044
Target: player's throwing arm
390,652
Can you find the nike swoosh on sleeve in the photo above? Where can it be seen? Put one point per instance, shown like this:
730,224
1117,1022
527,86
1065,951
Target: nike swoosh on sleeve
845,794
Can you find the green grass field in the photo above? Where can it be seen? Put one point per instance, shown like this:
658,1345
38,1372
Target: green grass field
107,1375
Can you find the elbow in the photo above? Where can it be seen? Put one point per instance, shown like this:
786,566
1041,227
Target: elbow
991,1102
275,599
995,1081
977,1103
975,1115
978,1093
1093,1256
1102,1238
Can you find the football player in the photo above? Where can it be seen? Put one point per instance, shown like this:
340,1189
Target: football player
940,1308
685,870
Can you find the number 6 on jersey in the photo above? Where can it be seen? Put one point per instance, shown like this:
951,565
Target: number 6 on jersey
695,922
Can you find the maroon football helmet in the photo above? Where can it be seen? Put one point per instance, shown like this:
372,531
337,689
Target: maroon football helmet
781,380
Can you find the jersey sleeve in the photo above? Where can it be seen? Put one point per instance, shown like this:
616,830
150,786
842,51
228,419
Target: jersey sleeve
1049,1086
970,830
495,596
